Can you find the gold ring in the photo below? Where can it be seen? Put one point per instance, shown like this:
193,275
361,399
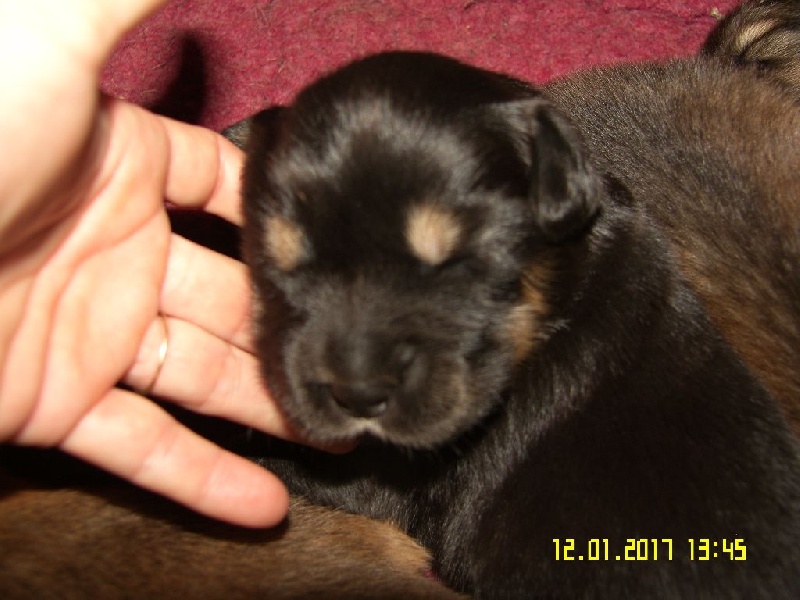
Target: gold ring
162,355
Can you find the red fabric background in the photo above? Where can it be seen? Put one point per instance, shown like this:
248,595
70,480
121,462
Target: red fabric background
214,62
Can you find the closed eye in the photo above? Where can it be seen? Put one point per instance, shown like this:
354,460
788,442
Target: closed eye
508,291
461,264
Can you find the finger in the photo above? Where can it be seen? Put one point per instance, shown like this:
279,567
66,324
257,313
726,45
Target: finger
84,28
204,170
107,21
209,290
206,374
132,437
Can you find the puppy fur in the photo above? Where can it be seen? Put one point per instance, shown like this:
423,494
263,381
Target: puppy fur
619,411
112,541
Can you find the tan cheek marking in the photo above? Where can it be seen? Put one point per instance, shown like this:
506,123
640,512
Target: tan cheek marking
283,241
521,325
524,319
432,233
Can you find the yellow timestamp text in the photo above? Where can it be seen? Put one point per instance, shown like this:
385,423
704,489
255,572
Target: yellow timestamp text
650,549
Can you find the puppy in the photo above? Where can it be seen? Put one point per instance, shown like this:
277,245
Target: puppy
446,270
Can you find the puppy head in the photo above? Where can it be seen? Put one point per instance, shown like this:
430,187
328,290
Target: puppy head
403,214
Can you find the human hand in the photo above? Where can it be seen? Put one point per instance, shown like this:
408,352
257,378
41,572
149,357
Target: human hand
88,263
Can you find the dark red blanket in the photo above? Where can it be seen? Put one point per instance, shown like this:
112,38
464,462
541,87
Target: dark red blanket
215,61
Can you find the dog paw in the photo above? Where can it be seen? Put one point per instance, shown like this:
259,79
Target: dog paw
762,34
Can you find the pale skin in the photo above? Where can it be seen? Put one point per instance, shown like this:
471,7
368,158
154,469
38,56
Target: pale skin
88,263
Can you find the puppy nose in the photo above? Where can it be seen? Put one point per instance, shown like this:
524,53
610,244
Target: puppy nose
365,401
368,377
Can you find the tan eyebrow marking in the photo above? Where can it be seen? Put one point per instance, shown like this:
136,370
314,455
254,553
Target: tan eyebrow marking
283,241
432,233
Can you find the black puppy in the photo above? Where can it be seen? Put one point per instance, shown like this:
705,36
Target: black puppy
542,400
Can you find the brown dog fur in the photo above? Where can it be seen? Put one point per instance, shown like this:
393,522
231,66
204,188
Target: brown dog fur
742,263
115,541
762,34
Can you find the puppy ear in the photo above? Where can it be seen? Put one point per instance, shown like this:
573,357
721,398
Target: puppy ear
564,189
260,127
261,133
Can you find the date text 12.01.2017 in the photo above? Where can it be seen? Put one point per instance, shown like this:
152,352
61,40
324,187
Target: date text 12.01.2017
598,549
